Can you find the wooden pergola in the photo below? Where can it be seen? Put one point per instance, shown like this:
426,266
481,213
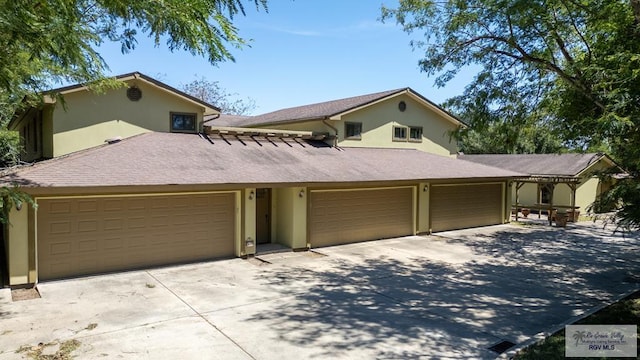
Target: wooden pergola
550,183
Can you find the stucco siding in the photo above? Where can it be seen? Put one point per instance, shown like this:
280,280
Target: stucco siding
17,246
379,119
291,217
586,193
87,119
528,194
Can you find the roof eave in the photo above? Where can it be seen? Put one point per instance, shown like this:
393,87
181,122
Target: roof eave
601,157
436,108
208,109
410,92
339,115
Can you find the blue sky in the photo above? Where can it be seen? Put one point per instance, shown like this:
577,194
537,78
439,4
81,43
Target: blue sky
301,52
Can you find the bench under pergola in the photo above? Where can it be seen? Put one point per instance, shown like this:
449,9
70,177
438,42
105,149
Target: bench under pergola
549,182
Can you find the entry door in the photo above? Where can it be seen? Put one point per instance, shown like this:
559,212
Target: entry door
263,216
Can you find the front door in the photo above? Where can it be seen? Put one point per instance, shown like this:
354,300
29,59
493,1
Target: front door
263,216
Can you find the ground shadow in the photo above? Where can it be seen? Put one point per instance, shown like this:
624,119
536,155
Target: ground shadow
415,307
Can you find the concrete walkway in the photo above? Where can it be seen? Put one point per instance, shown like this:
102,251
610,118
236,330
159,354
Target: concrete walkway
447,296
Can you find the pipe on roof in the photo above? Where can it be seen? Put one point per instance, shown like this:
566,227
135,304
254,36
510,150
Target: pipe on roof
335,139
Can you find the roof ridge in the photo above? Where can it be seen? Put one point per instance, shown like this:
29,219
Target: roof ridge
380,93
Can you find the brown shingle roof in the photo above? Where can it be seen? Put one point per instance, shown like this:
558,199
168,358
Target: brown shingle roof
538,164
319,111
225,120
166,158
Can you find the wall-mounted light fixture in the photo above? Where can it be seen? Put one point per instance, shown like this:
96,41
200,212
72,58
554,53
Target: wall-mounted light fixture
425,188
301,193
249,243
18,205
251,195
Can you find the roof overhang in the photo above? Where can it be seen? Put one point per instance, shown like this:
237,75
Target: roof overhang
605,158
549,179
412,94
267,133
208,109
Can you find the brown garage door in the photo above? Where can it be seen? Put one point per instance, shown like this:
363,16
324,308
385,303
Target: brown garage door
82,236
339,217
465,206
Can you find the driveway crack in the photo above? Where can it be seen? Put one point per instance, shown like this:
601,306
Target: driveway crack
202,316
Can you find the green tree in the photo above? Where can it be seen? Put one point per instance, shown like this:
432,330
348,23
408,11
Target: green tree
211,92
45,42
48,41
575,61
502,121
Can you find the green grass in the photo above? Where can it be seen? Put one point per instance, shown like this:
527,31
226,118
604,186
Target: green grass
626,311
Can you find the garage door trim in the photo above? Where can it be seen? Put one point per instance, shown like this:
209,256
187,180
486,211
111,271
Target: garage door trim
414,205
237,205
365,189
502,202
504,191
412,188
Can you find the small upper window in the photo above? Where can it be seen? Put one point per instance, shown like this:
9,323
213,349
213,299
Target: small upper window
400,133
352,130
415,133
181,122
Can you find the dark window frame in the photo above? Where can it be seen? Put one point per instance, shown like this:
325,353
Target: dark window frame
419,131
356,133
400,138
172,119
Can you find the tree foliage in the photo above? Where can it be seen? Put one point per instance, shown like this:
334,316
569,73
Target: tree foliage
10,148
571,66
10,197
47,41
212,93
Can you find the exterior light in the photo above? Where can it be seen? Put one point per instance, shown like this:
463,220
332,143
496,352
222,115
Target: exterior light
251,195
301,193
18,205
249,243
426,188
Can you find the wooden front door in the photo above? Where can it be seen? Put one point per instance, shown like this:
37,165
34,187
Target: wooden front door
263,216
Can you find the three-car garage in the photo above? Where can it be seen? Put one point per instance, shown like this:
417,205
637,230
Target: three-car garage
81,235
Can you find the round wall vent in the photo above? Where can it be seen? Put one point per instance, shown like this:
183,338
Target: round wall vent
134,94
402,106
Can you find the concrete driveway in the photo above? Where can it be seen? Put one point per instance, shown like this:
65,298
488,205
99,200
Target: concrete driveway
451,295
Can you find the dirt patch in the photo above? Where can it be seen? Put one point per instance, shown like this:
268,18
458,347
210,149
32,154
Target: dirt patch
53,350
257,261
25,294
313,254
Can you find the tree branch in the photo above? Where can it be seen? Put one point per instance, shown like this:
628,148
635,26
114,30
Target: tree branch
527,57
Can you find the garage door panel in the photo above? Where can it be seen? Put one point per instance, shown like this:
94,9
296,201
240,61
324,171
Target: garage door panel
338,217
465,206
86,236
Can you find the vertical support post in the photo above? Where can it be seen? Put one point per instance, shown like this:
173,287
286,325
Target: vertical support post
573,187
551,188
519,185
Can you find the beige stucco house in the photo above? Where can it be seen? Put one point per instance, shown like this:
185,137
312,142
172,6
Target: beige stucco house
175,190
83,119
399,119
